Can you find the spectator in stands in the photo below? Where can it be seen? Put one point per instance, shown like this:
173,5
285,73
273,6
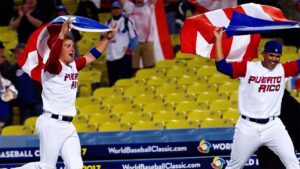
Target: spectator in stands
127,6
61,10
290,116
27,19
7,93
87,9
6,11
120,48
30,91
142,16
5,67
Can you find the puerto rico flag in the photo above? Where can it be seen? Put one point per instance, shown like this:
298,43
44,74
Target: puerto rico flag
38,46
202,6
247,21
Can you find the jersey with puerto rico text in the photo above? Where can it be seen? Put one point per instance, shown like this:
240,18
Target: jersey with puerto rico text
261,90
59,91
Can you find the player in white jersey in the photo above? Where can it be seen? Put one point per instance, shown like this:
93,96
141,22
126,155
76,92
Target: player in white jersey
260,94
59,79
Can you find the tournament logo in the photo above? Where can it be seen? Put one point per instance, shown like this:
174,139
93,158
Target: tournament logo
218,163
204,147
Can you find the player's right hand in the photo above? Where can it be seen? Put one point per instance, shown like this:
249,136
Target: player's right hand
218,33
66,26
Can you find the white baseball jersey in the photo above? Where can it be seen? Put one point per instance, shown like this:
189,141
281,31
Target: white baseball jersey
118,45
261,91
143,17
59,91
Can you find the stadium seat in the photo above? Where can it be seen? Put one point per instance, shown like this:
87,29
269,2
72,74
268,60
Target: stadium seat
233,96
200,88
190,80
196,63
168,116
107,91
178,72
125,108
157,81
211,96
110,127
157,107
90,110
138,90
180,55
228,87
30,121
150,73
125,83
170,63
146,99
206,71
83,127
136,117
112,100
189,106
79,118
218,79
16,130
221,105
99,119
148,125
175,98
210,123
84,101
231,114
169,89
181,124
203,114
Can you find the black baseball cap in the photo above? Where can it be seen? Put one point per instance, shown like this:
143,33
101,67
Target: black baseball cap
273,46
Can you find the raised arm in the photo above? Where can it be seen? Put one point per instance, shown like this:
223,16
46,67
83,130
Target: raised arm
97,51
234,69
53,64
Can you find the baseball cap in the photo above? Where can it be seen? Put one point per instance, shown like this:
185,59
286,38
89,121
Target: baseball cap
273,46
20,45
61,8
117,4
1,45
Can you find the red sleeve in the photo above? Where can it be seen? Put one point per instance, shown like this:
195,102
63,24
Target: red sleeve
80,63
239,69
291,68
53,65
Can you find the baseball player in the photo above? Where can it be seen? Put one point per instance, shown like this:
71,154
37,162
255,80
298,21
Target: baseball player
59,80
260,94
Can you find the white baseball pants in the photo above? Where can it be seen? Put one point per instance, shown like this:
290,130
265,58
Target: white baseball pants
249,136
56,137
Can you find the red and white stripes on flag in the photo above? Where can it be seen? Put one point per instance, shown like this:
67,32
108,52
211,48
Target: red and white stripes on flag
37,49
209,5
197,33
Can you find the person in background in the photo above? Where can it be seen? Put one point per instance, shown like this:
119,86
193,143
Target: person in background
29,98
7,93
27,20
120,48
5,67
127,6
142,15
